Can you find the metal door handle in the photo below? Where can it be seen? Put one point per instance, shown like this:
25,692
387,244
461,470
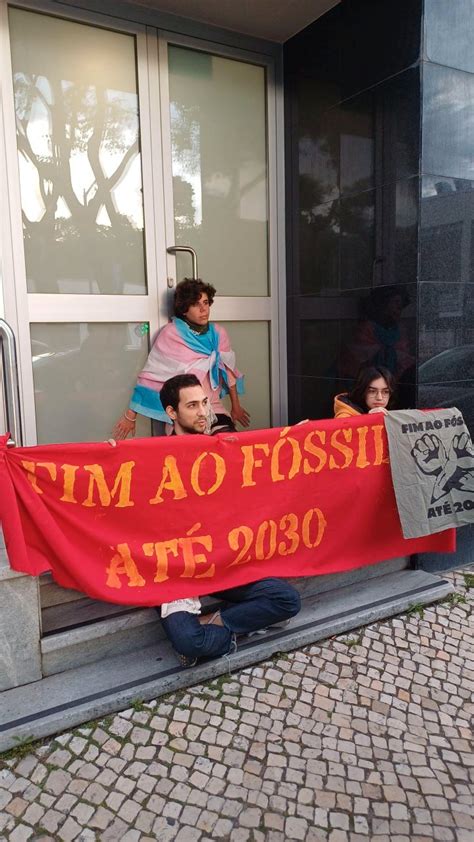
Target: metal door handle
11,383
189,250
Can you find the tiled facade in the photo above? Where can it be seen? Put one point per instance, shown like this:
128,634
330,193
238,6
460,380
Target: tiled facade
446,278
380,163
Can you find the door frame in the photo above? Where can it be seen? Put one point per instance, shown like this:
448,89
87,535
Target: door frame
22,308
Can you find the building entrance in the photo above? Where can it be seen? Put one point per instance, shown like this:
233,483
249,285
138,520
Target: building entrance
129,142
121,142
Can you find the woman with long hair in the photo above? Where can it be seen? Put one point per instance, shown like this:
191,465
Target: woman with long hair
373,391
189,344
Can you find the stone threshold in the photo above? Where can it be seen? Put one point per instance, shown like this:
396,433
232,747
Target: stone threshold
70,698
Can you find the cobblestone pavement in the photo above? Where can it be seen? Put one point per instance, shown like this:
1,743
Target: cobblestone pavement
366,735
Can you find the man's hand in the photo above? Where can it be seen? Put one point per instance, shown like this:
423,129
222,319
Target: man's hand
429,454
240,415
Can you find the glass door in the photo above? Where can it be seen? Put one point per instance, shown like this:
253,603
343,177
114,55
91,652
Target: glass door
129,141
219,180
86,282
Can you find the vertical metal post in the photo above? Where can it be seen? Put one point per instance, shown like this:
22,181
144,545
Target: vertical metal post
11,383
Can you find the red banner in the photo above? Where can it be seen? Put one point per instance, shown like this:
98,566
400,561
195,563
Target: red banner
152,520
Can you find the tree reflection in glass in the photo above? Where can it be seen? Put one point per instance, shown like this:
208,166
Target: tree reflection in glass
77,119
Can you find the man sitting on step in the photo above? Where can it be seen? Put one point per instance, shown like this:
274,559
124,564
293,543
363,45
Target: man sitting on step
248,608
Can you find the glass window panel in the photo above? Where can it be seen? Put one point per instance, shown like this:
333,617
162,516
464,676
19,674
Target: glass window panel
82,378
448,106
218,135
448,33
76,107
251,343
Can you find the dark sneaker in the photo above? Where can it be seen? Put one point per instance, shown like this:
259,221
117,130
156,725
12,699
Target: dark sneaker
185,661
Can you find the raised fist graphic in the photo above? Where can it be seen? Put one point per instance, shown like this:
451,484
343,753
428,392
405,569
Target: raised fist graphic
463,450
458,472
452,470
429,454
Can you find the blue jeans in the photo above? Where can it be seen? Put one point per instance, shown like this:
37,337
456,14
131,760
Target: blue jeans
252,607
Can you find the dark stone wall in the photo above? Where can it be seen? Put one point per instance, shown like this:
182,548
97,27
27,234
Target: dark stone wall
446,276
353,110
380,200
446,280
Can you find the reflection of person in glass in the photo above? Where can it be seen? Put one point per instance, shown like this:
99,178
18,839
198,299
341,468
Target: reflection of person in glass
380,337
373,391
189,344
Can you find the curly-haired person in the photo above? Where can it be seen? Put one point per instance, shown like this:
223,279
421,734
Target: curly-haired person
189,344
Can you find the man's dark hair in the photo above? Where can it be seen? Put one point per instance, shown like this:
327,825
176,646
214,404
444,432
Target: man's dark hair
170,390
365,376
189,292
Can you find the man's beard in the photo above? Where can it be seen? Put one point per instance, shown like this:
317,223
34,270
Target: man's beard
190,430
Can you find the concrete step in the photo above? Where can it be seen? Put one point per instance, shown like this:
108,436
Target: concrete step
84,630
77,695
105,638
53,594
